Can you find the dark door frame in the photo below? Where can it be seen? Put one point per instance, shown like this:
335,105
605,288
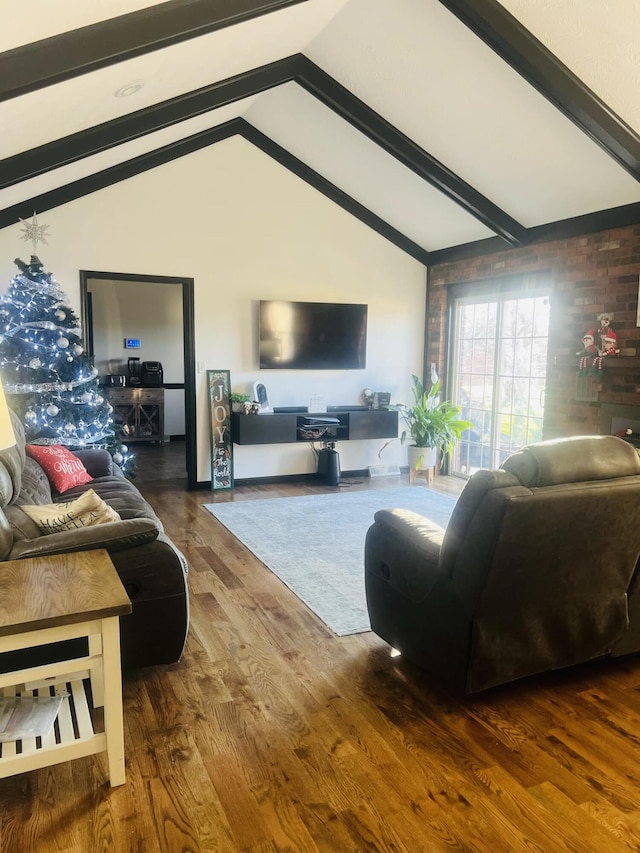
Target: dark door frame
188,337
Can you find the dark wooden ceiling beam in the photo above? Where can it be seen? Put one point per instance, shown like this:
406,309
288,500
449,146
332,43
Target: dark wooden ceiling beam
114,174
505,35
367,121
93,140
564,229
152,159
61,152
331,191
52,60
61,57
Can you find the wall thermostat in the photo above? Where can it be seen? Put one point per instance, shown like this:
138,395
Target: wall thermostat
132,343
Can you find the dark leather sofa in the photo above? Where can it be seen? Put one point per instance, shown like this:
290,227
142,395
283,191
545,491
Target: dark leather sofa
152,569
536,570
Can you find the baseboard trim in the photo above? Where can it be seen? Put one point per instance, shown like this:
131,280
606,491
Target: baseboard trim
285,478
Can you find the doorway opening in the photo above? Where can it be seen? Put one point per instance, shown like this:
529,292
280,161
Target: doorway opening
130,319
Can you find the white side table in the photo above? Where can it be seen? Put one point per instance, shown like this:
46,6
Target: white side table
48,599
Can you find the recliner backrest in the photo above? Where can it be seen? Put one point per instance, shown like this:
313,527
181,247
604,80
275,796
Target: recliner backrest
472,531
573,460
542,553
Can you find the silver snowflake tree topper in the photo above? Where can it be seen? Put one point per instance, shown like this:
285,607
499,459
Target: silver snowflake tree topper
34,232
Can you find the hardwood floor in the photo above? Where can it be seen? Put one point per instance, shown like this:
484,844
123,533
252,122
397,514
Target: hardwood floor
154,463
272,734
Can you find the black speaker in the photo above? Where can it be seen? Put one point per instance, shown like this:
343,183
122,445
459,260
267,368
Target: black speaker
329,466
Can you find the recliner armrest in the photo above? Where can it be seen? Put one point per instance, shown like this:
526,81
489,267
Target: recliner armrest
113,536
97,461
403,548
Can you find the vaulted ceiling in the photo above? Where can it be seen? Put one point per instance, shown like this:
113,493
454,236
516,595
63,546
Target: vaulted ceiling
452,127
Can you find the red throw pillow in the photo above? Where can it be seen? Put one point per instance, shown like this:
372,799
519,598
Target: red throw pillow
61,466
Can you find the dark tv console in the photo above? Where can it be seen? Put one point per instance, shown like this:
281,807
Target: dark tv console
348,408
292,427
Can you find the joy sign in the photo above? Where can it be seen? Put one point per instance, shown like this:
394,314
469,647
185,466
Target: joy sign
219,382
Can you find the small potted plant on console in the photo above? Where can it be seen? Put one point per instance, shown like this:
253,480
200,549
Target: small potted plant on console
240,403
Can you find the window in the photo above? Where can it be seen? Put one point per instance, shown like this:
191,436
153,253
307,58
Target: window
499,366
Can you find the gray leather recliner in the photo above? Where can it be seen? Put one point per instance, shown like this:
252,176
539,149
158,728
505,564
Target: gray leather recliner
536,570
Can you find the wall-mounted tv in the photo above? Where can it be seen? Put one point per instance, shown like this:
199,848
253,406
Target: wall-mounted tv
312,335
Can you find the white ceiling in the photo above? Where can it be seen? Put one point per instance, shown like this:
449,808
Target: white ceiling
598,41
413,62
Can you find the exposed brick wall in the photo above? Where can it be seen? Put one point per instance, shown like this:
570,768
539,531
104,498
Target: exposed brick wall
588,275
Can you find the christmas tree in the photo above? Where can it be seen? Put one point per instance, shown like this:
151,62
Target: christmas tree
48,379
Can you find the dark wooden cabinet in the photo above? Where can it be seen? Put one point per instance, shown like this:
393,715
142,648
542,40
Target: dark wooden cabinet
288,428
140,411
263,429
374,424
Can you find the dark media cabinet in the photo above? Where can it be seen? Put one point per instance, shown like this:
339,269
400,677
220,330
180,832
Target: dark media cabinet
292,427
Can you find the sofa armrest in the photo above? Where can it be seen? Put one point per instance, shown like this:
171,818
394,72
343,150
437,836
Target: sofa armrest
6,536
97,461
113,536
403,549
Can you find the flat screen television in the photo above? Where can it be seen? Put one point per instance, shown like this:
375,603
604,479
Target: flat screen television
312,335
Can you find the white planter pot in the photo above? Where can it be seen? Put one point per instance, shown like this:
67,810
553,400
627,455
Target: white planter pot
421,457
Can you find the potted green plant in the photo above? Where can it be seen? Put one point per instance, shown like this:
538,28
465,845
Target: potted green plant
238,402
431,425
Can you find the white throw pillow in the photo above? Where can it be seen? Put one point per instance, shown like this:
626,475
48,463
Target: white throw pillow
85,511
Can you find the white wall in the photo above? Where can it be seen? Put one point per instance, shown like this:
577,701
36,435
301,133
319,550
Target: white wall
152,313
149,311
247,229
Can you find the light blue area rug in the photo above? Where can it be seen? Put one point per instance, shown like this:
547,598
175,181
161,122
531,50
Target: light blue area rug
315,543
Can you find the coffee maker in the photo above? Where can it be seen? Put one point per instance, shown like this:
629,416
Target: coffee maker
134,368
151,374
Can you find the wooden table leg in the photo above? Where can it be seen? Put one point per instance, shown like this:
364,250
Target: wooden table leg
113,722
97,670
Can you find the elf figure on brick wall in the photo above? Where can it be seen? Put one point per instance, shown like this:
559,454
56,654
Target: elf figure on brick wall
598,344
609,348
587,354
606,340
